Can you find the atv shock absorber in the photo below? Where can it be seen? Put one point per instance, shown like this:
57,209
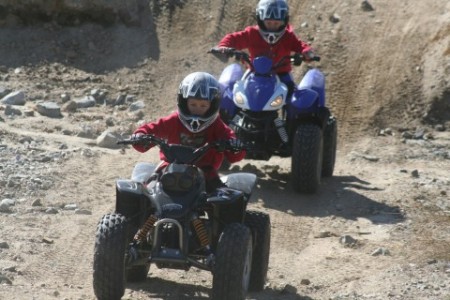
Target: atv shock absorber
201,232
142,233
279,124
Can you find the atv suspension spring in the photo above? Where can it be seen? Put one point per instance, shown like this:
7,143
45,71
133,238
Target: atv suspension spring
142,233
201,232
279,124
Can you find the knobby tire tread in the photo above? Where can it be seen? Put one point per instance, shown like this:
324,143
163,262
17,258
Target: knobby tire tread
307,158
230,260
109,254
259,224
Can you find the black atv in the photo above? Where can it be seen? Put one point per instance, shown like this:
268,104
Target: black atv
164,216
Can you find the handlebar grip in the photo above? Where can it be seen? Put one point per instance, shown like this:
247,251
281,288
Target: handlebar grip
140,140
125,142
213,50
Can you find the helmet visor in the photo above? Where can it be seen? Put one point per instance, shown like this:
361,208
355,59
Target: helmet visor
273,12
198,89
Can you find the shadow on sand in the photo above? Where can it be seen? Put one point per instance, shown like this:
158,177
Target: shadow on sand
160,288
340,196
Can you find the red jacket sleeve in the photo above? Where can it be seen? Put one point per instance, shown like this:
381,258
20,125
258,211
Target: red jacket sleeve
160,128
238,40
294,43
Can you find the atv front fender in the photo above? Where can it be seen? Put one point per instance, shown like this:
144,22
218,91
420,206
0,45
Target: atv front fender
143,171
230,75
304,100
310,94
227,79
132,199
314,80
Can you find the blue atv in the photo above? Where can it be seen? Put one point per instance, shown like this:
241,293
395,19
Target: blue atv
255,104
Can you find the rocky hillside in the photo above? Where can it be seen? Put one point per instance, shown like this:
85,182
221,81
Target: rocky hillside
386,64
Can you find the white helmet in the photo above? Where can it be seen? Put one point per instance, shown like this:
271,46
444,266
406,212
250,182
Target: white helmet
200,85
272,10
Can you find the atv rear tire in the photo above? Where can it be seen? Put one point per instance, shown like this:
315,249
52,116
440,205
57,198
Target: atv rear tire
231,273
259,224
109,257
329,147
306,166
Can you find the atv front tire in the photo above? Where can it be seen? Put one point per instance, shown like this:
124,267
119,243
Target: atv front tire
231,273
259,224
109,257
306,164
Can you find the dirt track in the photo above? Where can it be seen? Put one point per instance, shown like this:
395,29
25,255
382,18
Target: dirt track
387,68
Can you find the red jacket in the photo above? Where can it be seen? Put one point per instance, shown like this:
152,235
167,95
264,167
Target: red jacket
251,39
171,129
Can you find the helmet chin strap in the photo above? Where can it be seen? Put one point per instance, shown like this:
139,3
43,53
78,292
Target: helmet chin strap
271,38
195,124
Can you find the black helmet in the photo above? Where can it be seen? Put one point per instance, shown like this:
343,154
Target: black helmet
200,85
272,10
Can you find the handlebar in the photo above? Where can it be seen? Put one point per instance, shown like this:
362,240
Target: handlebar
181,153
231,52
296,59
142,139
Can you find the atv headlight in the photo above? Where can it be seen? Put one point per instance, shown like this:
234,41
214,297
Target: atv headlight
239,98
277,102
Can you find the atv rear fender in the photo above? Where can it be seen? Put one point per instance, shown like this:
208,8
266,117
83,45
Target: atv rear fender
229,204
241,181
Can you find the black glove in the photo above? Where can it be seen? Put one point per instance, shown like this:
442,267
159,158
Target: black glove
227,51
136,136
238,55
297,59
141,139
310,56
221,146
235,145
